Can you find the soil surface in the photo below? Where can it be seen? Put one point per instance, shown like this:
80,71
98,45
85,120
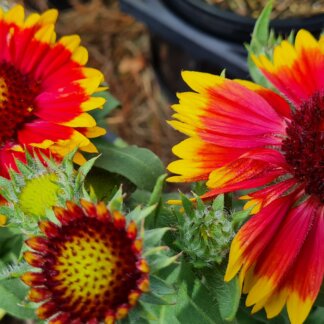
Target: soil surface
281,9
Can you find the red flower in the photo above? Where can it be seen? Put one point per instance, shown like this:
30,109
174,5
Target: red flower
243,136
45,90
91,266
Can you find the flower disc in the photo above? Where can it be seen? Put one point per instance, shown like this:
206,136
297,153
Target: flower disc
91,266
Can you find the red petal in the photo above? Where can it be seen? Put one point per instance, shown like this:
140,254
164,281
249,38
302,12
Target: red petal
39,131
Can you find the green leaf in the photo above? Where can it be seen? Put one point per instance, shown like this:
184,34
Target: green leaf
158,262
218,203
316,317
259,42
239,217
110,104
260,33
153,237
188,206
320,298
139,165
155,199
85,169
160,286
244,316
105,183
195,303
12,293
152,298
227,293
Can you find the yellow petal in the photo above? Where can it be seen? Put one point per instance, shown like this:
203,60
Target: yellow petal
305,40
93,103
83,120
200,81
275,304
90,148
32,20
183,128
79,159
80,55
49,17
235,259
15,15
44,145
297,308
70,42
46,34
261,289
92,132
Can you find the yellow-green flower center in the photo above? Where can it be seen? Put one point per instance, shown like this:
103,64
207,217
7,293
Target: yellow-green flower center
39,194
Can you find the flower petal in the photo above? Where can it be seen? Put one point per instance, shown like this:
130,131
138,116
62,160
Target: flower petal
253,238
304,285
296,70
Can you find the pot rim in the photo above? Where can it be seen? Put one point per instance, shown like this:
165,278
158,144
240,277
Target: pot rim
214,10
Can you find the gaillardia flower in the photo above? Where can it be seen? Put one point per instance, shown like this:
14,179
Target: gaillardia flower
91,265
39,184
45,90
243,136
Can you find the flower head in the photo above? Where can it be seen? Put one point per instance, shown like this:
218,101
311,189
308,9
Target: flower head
91,265
39,184
244,136
45,90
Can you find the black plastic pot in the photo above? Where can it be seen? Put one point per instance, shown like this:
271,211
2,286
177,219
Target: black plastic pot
59,4
231,26
177,45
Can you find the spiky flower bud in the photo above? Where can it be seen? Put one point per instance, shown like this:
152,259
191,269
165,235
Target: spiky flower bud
206,232
39,184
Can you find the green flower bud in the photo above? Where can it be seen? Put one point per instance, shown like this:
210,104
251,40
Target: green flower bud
206,232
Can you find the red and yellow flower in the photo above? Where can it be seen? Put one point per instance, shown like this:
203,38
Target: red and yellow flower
243,136
91,268
45,90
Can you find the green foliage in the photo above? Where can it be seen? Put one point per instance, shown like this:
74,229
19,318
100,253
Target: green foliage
263,41
195,303
100,114
138,165
226,293
12,293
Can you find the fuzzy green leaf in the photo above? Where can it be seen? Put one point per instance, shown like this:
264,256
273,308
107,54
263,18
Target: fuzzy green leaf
160,286
153,237
227,293
218,203
195,303
84,170
139,165
12,293
152,298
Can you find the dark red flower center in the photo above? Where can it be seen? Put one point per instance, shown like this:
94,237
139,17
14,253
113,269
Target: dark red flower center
17,96
304,145
90,268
